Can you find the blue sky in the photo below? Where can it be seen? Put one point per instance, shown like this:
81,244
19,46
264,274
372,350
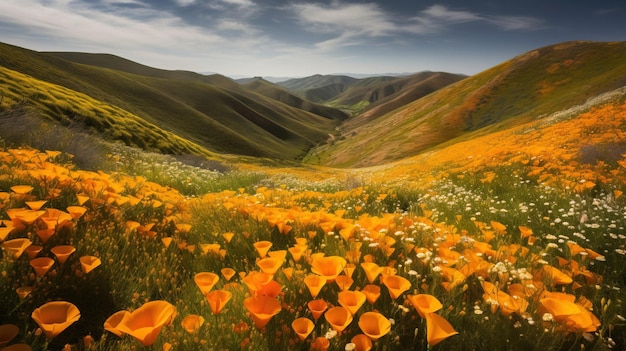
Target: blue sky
294,38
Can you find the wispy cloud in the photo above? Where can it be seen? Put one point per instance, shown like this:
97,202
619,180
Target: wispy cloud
349,23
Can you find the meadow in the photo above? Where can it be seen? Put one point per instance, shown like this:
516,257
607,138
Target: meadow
513,240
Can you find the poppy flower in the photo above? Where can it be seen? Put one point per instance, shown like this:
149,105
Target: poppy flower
21,189
54,317
192,323
437,329
256,280
23,291
303,327
41,265
328,267
344,282
271,289
317,308
374,325
15,247
45,234
8,332
262,309
17,347
166,241
338,317
270,265
425,304
314,283
228,236
228,273
372,270
89,263
297,252
217,300
320,344
262,247
372,293
35,205
145,323
553,275
63,252
76,211
205,281
362,342
351,300
5,231
113,322
396,285
33,250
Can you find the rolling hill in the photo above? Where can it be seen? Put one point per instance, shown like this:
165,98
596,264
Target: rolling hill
360,95
527,87
212,112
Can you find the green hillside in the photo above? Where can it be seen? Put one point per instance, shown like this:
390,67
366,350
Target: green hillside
526,87
213,112
275,92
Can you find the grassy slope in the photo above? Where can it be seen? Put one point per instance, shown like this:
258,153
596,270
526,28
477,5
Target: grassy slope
275,92
527,87
236,120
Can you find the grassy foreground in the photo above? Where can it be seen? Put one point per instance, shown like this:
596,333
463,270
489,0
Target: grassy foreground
511,241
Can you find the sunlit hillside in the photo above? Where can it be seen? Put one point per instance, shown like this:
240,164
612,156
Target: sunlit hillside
524,88
213,111
510,236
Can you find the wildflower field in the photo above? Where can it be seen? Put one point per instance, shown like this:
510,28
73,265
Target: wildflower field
514,240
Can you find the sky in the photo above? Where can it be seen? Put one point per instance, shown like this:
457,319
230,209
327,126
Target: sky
295,38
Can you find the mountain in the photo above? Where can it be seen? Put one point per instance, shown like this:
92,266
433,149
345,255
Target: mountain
277,93
361,94
527,87
212,112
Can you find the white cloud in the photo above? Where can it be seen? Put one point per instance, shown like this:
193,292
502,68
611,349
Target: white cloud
185,2
517,22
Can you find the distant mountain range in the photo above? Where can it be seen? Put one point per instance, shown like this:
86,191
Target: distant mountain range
336,120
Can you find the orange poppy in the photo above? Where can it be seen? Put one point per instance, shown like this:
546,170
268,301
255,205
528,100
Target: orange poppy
262,247
145,323
262,309
8,332
17,347
317,308
205,281
89,263
270,265
374,325
41,265
255,281
33,250
76,211
15,247
35,205
314,283
297,252
372,293
228,273
328,267
271,289
54,317
63,252
396,285
437,329
320,344
45,234
113,322
192,323
425,304
344,282
338,317
23,291
303,327
362,342
372,270
217,300
351,300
